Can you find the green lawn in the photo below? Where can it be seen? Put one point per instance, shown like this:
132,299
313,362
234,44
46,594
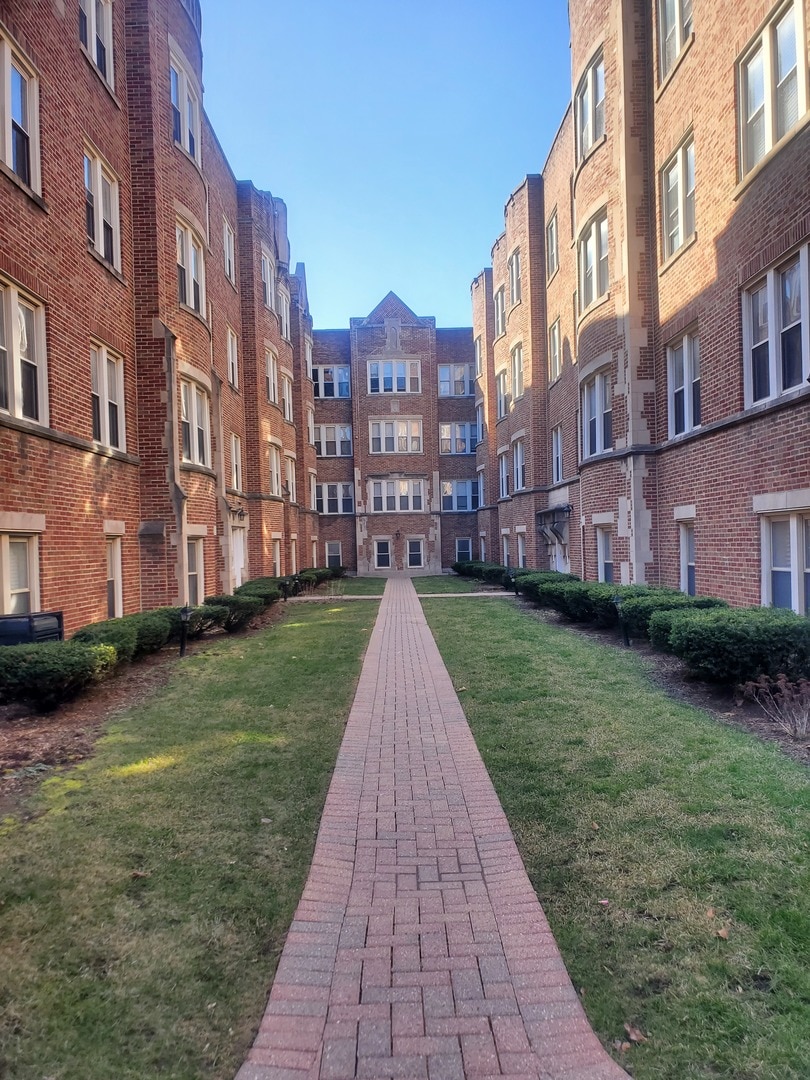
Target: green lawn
646,827
447,583
355,586
143,910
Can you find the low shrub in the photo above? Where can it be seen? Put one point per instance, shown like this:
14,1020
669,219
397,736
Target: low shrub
46,675
152,630
529,582
266,589
638,610
241,609
338,571
784,702
467,568
202,619
120,633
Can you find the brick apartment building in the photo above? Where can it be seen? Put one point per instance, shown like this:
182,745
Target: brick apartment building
642,338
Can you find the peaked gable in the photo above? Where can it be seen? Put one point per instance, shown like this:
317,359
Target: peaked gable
391,307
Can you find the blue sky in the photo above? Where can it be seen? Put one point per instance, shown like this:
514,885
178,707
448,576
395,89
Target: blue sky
393,129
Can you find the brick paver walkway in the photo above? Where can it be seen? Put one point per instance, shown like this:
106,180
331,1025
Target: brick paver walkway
419,948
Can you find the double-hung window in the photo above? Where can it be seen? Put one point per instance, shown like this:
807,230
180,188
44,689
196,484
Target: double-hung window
772,85
786,561
479,358
456,380
236,463
396,496
271,376
274,462
107,397
190,269
416,554
292,489
479,423
683,370
115,599
382,554
503,476
674,30
678,197
334,498
463,549
268,280
102,209
597,415
95,33
196,571
517,371
552,246
396,436
557,455
229,248
332,381
593,261
333,553
500,312
195,424
19,574
185,99
687,538
502,394
23,371
287,398
233,359
604,555
19,116
776,330
333,440
394,377
284,312
589,106
460,494
519,464
310,426
514,277
554,352
457,438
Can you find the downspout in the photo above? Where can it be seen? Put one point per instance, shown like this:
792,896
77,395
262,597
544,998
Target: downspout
219,462
177,495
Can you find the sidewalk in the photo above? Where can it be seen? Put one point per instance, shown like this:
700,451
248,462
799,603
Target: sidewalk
419,949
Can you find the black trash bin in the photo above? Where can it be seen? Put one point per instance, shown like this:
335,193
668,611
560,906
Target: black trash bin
31,628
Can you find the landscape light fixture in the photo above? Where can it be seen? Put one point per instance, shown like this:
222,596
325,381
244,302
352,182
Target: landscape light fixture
185,615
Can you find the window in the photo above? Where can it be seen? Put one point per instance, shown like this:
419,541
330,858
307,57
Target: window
503,476
514,277
195,572
772,85
678,197
554,354
504,549
333,554
185,107
521,549
308,356
287,397
552,246
396,437
314,552
101,209
293,556
190,269
313,491
107,397
460,494
396,496
604,555
683,363
115,601
332,381
557,455
23,377
292,490
457,438
284,313
95,33
500,313
519,463
236,463
311,427
194,423
394,377
230,253
268,280
333,440
597,435
382,554
19,110
334,498
517,372
786,562
482,548
275,469
589,107
463,549
687,531
233,360
674,30
19,574
479,358
415,554
276,558
456,380
777,331
593,261
479,423
271,377
501,394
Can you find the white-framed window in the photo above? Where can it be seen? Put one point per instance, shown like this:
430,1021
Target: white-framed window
333,553
19,116
683,381
95,33
313,491
517,372
333,440
597,415
500,312
394,377
190,269
554,351
479,357
271,376
479,423
334,498
687,545
504,549
514,277
195,426
772,77
276,550
185,99
195,571
229,248
233,359
236,462
678,197
23,368
460,494
589,106
382,554
674,30
776,330
102,217
284,312
115,588
519,464
396,496
238,555
593,260
463,549
604,554
19,574
310,427
521,549
292,489
395,436
287,398
416,554
274,460
552,246
293,555
107,397
456,380
502,394
457,438
332,381
308,356
482,548
268,280
557,454
503,476
786,562
314,555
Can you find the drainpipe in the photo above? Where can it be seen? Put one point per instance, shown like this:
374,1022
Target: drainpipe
177,495
219,461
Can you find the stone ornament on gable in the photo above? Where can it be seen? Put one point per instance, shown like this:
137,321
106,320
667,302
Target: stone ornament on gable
393,328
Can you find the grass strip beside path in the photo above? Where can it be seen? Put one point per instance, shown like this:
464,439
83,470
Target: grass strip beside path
143,911
354,586
670,853
447,583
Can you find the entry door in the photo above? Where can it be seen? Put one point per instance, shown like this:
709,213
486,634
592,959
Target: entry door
237,556
560,559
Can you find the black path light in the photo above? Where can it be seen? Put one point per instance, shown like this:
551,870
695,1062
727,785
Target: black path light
185,615
617,602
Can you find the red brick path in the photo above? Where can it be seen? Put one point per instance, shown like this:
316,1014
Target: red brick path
419,948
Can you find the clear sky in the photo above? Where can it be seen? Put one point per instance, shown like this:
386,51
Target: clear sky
394,130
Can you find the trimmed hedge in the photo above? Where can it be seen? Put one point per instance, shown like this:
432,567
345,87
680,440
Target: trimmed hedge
638,610
265,589
203,618
132,635
55,671
241,609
